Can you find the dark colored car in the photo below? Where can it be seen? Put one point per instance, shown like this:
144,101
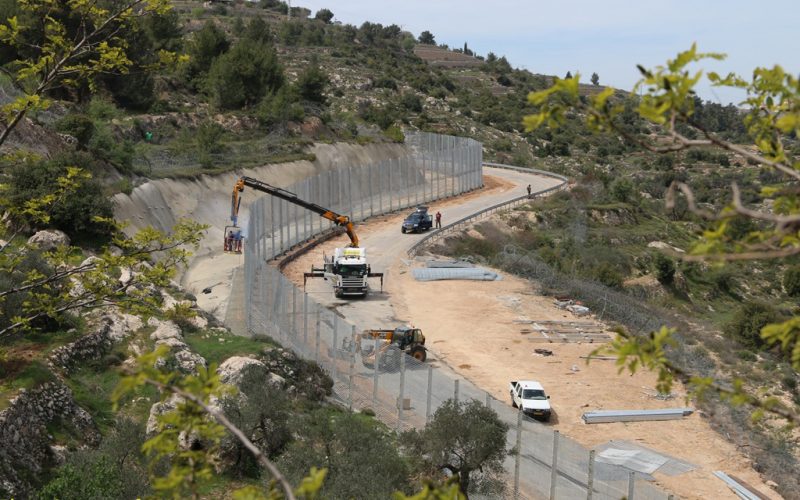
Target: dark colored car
418,221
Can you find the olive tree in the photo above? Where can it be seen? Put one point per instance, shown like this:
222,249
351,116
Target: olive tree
465,439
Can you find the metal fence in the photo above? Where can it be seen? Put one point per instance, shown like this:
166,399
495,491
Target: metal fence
488,211
403,392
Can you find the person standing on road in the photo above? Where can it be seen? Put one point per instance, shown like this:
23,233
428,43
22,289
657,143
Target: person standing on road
529,190
438,220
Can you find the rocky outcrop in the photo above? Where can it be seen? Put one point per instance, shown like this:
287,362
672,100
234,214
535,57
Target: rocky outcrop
169,334
49,239
25,443
296,375
231,371
114,327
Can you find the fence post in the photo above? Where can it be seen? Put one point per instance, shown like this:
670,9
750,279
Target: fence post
554,467
518,449
590,481
455,391
316,342
293,324
282,222
631,485
371,200
488,401
297,224
305,319
375,377
335,346
350,378
430,394
272,224
401,402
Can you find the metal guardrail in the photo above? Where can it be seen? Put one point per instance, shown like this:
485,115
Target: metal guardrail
450,228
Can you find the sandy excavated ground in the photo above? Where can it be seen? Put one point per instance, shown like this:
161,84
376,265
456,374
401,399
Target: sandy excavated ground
470,326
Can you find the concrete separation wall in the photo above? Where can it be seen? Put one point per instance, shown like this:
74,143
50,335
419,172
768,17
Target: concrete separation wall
206,198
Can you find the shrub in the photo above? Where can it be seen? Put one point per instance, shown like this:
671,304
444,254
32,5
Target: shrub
608,275
362,457
208,44
723,279
74,214
395,134
311,83
791,281
244,75
102,109
411,102
622,190
279,108
77,125
665,269
748,321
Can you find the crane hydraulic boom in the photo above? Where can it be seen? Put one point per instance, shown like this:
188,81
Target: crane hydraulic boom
339,220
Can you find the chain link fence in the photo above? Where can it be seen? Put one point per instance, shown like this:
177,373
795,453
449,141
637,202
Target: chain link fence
403,392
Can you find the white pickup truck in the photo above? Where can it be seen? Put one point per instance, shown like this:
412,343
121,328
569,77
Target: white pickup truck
529,395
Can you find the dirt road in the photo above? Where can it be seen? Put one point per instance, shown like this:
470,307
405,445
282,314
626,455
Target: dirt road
470,326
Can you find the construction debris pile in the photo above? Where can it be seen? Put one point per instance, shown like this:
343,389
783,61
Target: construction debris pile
564,331
572,306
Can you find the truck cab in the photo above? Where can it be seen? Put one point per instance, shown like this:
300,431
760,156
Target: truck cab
348,272
417,221
529,395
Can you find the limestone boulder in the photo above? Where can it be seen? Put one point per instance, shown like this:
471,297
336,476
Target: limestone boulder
49,239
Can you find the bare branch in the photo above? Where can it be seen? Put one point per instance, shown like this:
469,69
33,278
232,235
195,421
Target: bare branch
717,141
782,220
690,200
755,255
223,420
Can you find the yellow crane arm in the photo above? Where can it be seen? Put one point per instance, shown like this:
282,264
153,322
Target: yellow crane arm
339,220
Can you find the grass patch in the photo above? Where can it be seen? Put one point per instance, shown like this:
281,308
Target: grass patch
22,374
92,390
216,346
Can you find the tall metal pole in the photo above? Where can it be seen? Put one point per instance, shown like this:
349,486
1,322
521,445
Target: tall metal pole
335,345
316,341
401,401
305,319
554,469
272,223
369,190
518,450
293,323
590,481
375,376
352,368
429,395
631,485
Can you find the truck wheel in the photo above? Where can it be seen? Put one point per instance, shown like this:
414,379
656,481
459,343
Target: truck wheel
513,402
419,353
403,230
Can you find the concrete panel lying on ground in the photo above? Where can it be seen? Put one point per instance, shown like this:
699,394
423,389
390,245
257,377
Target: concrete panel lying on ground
738,488
608,416
474,273
640,458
